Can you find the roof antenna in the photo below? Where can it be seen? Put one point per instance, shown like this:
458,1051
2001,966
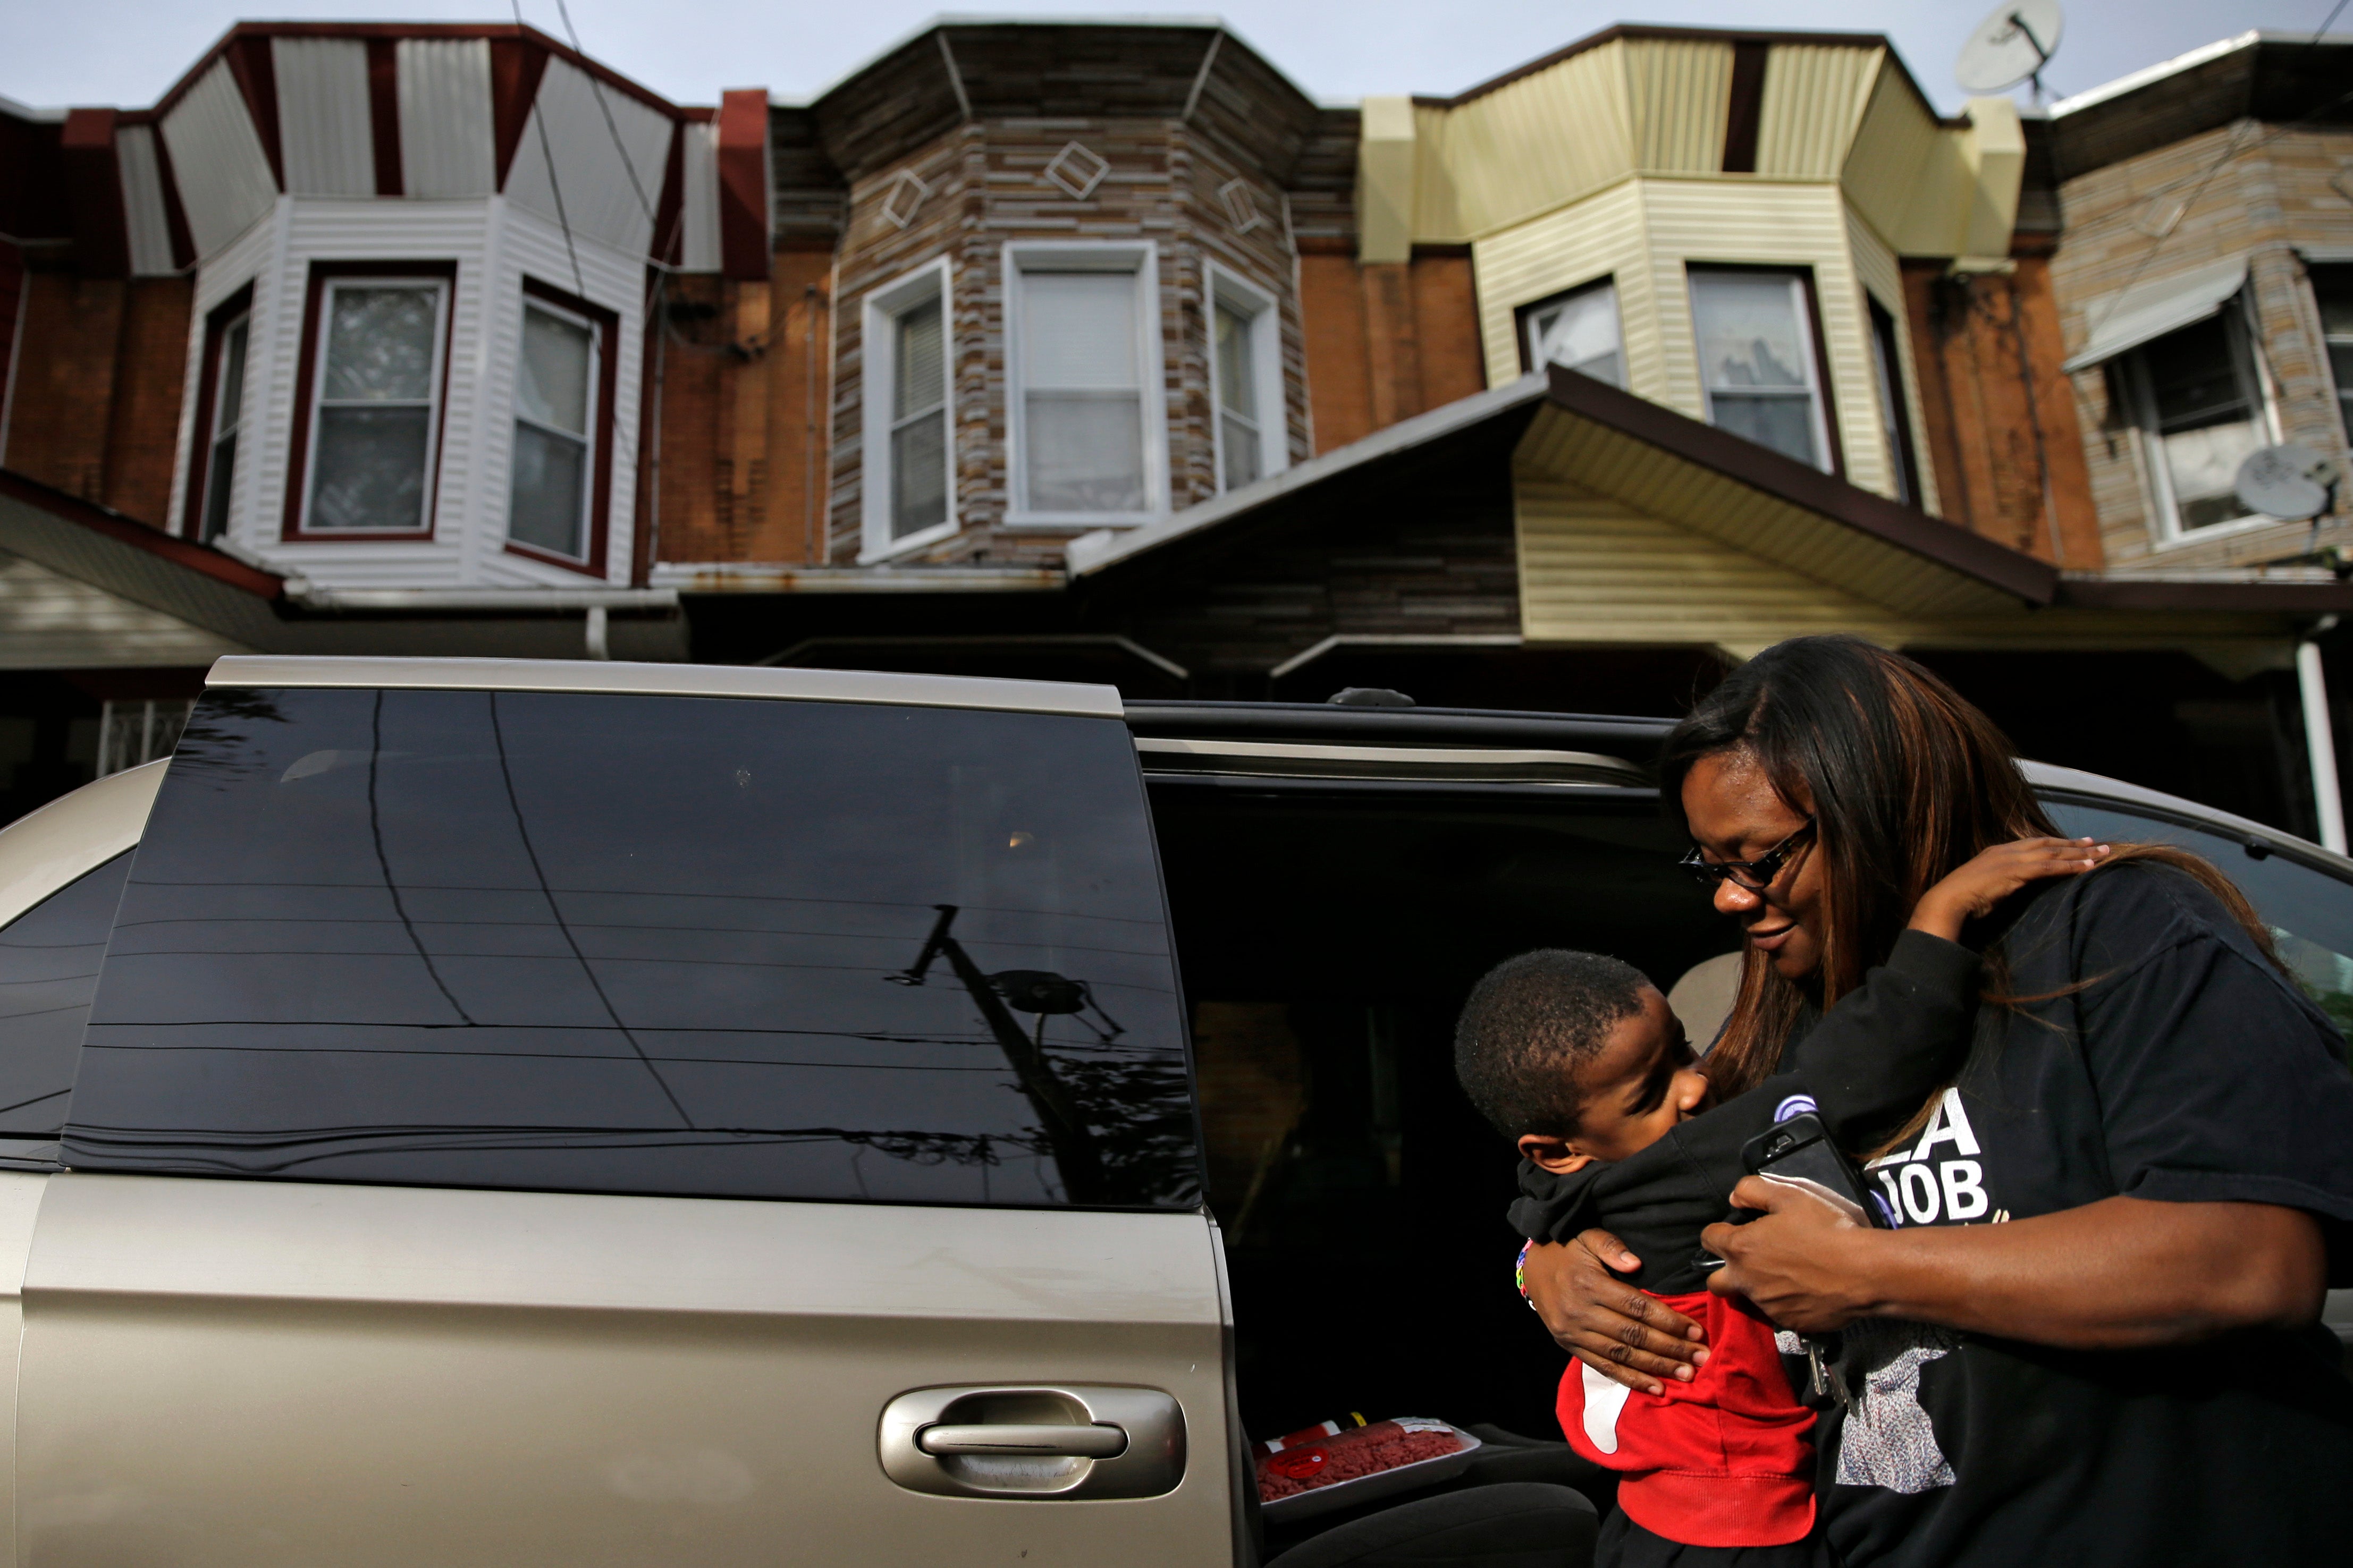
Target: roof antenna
2013,45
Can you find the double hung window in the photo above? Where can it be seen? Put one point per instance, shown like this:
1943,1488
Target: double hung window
1757,361
227,422
910,486
555,431
375,391
1245,364
1579,329
2198,398
1088,447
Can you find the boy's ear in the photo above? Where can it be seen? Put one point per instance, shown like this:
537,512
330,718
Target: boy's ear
1554,1154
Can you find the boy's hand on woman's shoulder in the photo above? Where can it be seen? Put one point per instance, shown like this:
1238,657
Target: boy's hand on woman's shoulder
1994,874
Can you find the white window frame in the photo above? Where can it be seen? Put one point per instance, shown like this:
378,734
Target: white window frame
1532,340
1264,311
589,439
436,376
1802,306
1141,257
227,425
2156,474
877,330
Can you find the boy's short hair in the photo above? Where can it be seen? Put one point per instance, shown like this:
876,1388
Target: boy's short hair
1527,1026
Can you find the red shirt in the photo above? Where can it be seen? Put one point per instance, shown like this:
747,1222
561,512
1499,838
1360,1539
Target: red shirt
1726,1459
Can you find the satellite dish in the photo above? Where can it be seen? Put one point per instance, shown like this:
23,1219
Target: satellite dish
2288,482
2010,46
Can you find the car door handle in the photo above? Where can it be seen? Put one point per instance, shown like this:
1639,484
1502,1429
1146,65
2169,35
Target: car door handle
1069,1442
1043,1442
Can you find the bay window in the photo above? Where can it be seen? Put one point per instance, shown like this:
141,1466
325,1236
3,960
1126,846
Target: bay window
368,408
1579,329
2198,399
1758,364
1246,382
910,486
1084,374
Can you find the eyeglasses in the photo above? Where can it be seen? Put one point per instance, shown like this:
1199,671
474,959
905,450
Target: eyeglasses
1754,875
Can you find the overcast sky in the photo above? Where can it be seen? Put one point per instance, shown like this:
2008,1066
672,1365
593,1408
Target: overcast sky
127,52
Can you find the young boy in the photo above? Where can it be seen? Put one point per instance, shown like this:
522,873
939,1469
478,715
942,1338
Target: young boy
1578,1060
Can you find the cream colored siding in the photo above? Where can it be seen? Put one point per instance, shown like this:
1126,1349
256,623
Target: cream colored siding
1679,93
1896,141
325,134
1595,570
1564,249
1437,210
149,231
225,185
1703,501
444,87
49,620
1883,279
1535,143
607,190
1813,99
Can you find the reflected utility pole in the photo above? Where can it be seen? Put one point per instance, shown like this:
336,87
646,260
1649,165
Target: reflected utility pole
1076,1154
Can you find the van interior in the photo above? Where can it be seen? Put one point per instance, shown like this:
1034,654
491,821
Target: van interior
1327,933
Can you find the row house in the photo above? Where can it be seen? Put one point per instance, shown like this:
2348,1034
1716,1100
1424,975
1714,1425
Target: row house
1100,351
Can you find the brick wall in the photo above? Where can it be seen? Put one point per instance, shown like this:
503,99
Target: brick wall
2001,433
100,366
1386,341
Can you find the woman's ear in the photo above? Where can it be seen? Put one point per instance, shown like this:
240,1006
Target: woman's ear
1554,1154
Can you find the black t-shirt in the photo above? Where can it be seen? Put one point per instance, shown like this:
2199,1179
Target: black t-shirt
2183,1067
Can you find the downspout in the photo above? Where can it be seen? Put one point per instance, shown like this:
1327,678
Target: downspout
2319,739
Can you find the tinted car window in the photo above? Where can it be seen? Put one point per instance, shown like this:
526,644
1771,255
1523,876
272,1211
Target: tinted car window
2310,912
645,944
49,966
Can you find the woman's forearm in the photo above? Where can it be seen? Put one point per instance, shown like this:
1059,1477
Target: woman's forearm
2120,1274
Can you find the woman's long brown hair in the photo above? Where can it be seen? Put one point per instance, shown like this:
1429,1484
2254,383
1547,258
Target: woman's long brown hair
1907,781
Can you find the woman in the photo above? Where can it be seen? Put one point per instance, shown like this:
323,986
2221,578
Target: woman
2150,1148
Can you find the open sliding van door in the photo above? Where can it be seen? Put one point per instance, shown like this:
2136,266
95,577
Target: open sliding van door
539,1114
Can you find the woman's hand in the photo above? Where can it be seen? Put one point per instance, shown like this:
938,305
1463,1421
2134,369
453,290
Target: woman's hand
1994,874
1796,1262
2118,1273
1607,1323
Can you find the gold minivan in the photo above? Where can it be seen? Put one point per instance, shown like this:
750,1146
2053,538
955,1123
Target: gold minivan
513,1112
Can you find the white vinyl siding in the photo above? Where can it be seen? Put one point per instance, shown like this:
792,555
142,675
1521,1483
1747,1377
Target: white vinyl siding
1083,376
552,481
1756,359
228,424
908,451
1246,377
376,393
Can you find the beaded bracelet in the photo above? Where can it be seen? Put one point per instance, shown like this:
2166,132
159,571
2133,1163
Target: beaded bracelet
1519,1273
